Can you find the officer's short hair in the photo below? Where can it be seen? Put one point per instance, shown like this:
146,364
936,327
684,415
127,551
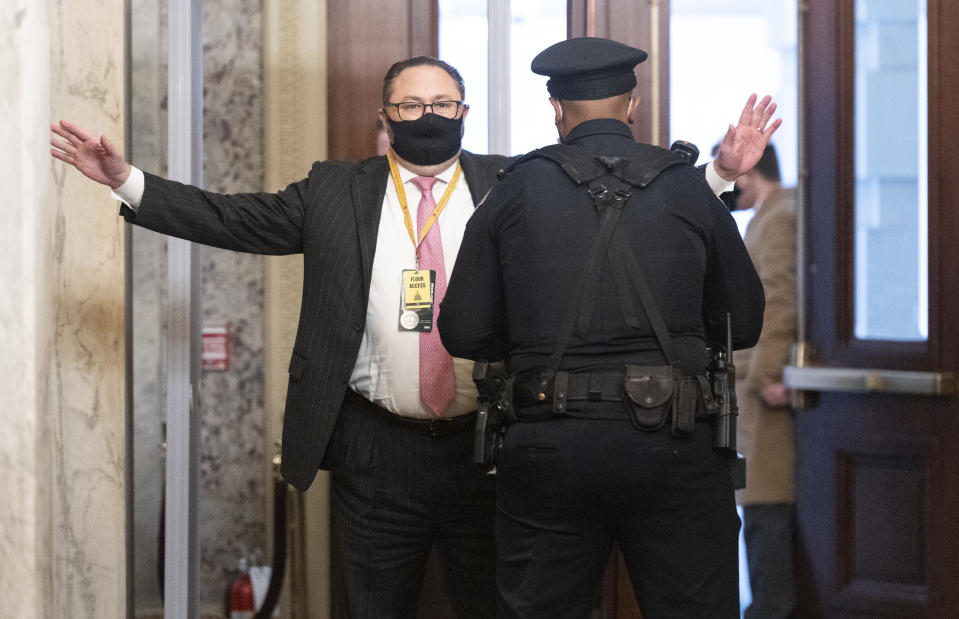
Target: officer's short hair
419,61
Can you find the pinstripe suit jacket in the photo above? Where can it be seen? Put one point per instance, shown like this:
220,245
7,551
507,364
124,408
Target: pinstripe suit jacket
332,217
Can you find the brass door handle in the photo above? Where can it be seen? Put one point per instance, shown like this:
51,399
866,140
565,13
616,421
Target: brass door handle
863,380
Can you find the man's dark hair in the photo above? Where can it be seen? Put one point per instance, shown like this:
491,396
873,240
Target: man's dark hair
417,61
768,165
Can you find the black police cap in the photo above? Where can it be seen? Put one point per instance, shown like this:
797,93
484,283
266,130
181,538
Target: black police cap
588,68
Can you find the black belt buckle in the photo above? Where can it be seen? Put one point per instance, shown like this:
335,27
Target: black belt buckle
447,427
436,428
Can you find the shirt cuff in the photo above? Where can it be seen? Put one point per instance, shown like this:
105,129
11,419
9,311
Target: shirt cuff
717,183
131,191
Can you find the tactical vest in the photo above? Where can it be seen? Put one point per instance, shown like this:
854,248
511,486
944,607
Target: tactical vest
609,182
649,391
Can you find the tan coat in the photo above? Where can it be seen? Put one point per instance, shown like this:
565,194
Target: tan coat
765,435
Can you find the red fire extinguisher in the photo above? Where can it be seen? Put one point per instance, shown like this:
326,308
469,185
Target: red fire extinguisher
241,594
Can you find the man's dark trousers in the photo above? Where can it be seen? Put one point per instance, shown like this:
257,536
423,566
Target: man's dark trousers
425,491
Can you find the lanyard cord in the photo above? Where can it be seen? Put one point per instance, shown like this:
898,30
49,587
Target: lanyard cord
398,183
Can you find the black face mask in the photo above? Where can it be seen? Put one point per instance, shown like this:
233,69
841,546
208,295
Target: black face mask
428,140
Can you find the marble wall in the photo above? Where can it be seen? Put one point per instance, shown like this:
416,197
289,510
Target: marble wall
232,453
62,371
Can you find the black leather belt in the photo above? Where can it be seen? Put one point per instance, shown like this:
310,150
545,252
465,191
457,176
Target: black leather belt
440,426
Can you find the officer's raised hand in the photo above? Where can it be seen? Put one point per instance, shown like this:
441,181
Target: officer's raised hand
95,156
743,144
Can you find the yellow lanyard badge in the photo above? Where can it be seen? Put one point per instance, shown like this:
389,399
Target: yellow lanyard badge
417,297
401,193
416,300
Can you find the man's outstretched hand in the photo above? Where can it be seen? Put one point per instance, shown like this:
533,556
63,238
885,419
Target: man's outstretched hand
96,157
743,145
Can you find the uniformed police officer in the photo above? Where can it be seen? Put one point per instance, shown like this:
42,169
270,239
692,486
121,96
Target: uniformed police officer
611,439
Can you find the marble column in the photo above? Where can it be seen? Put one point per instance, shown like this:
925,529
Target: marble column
62,371
24,444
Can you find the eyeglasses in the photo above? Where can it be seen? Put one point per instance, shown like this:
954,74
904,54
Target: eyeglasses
411,110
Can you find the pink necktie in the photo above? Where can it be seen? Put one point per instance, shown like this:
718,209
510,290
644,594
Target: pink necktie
436,365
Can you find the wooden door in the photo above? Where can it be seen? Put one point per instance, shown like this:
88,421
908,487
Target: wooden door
359,55
643,24
878,443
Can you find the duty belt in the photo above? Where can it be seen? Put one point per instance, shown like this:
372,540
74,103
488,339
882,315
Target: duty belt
534,387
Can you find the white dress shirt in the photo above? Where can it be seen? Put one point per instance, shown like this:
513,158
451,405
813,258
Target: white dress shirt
387,366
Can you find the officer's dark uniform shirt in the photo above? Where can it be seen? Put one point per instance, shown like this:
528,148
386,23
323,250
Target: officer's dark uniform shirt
526,246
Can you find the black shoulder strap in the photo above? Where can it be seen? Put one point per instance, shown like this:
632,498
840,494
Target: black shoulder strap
643,167
638,170
625,262
579,165
610,206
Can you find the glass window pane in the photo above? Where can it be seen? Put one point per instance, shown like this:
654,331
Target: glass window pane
536,24
759,34
890,171
463,43
756,33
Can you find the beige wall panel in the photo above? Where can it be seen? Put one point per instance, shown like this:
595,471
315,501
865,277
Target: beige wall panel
86,383
296,136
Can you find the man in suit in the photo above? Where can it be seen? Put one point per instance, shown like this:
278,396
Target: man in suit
765,419
372,395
